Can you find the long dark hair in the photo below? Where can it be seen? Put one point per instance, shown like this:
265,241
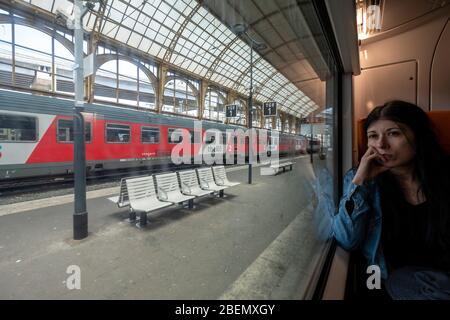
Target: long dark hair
431,165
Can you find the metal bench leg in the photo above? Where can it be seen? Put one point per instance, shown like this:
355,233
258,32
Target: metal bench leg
221,193
284,169
143,219
291,167
132,216
189,204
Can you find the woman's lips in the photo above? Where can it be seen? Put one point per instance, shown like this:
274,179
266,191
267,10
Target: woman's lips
385,157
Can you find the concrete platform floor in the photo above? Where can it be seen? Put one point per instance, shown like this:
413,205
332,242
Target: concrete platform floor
257,243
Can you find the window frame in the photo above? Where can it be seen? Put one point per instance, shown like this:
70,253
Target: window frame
213,135
67,142
151,127
36,122
169,134
114,142
191,132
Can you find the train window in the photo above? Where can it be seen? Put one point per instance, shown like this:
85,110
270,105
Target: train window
242,140
118,133
177,137
196,138
271,230
17,128
65,131
211,137
192,136
149,135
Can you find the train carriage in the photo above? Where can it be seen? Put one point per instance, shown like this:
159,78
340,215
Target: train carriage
36,137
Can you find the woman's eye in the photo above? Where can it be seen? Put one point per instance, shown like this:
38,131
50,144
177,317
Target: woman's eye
394,133
372,136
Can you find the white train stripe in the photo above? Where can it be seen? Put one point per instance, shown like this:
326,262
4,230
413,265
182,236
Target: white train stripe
19,152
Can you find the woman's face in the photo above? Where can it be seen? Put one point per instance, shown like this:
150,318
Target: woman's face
395,146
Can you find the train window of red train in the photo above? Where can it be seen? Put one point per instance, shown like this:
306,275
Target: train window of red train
17,128
196,138
65,131
192,136
118,133
149,135
210,137
177,137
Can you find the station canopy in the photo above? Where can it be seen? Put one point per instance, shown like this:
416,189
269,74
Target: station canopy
185,34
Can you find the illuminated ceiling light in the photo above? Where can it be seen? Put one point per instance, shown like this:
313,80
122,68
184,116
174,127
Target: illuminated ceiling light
369,16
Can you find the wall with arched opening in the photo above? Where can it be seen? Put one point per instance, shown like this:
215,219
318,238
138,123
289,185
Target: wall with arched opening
180,95
38,58
120,79
215,102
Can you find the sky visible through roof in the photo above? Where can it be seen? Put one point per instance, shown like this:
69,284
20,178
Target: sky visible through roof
184,34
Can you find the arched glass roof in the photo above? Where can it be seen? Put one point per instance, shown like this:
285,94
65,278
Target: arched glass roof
184,34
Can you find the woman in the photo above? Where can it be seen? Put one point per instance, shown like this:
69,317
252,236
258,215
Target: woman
396,204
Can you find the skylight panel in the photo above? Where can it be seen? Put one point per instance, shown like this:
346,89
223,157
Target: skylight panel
152,26
44,4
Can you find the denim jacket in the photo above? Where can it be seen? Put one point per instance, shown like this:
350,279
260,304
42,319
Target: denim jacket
359,225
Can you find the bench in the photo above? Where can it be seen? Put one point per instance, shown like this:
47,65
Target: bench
221,178
122,199
143,198
143,195
190,185
283,165
169,189
275,168
206,179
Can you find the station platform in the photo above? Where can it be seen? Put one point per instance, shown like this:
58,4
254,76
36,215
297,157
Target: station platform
256,243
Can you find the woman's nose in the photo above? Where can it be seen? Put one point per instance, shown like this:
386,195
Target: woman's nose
381,142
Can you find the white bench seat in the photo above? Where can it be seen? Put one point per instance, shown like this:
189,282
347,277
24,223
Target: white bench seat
190,185
143,198
154,204
276,167
281,164
169,188
221,178
206,179
122,199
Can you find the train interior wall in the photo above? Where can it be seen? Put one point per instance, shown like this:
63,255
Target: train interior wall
406,61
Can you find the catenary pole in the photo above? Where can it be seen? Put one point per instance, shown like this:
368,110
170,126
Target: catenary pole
80,216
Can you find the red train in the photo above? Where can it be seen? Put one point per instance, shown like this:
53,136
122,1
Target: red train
36,137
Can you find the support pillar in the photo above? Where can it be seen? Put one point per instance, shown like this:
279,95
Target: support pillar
162,74
201,98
